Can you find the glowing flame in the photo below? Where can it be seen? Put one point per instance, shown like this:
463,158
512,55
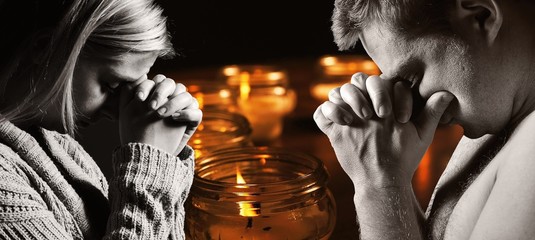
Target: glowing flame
279,91
239,177
247,208
274,76
224,93
245,88
329,61
230,71
263,161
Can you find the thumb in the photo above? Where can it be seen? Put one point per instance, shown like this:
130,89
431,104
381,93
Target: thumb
430,116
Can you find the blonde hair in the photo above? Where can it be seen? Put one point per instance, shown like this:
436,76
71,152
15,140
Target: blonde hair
90,28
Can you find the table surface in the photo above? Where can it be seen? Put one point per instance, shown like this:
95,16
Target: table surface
300,133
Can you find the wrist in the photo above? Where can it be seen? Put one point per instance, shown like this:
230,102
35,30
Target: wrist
380,181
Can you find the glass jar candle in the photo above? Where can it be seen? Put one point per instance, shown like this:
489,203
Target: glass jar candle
260,193
220,129
263,97
335,71
212,95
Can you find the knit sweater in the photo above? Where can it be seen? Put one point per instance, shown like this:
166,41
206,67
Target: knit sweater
50,188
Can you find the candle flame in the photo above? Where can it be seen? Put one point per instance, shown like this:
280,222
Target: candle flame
329,61
247,208
230,71
279,91
274,76
224,93
245,88
239,177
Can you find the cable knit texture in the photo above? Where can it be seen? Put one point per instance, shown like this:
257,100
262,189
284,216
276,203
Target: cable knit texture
50,188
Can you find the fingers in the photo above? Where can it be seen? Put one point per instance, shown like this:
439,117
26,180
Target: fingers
179,88
322,122
143,89
402,102
358,102
336,98
359,80
191,115
379,93
162,90
175,104
336,113
177,101
430,116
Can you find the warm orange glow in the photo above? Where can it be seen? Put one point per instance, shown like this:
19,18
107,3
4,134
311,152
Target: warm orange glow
198,153
328,61
230,71
274,76
280,91
224,93
245,88
247,208
193,88
370,67
321,91
423,174
200,99
333,66
239,177
263,161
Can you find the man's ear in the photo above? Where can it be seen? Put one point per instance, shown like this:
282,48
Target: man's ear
480,17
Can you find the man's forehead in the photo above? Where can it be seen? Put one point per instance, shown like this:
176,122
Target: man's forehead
385,49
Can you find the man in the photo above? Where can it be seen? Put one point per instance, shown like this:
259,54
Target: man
472,62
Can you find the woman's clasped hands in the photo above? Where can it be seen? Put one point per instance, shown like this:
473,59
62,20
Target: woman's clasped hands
370,125
158,112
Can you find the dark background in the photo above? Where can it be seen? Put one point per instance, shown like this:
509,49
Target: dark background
215,32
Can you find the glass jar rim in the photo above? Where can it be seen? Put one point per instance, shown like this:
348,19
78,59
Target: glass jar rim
317,170
266,197
242,132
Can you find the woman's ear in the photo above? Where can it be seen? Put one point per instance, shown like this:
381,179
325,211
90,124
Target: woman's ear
480,19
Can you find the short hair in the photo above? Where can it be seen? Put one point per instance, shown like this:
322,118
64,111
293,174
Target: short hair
410,17
56,33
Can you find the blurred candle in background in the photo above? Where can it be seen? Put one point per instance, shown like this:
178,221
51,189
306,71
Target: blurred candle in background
264,98
212,95
219,130
335,71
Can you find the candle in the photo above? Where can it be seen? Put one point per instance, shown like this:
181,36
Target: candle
264,98
260,193
335,71
220,129
212,95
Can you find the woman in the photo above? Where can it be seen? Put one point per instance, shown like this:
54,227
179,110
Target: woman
67,64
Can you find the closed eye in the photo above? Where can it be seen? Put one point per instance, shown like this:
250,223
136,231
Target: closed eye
112,87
